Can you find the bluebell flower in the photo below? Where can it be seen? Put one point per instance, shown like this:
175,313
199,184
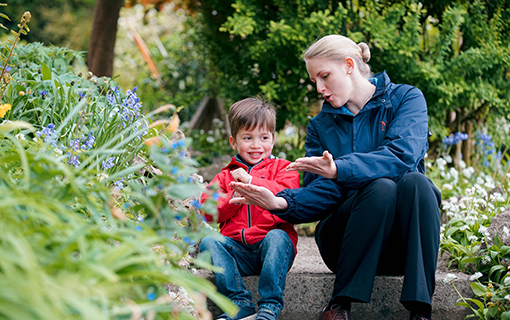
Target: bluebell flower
89,142
8,68
175,170
118,185
126,205
81,95
183,154
175,145
181,143
43,93
180,179
453,139
190,180
75,144
49,134
74,160
108,163
151,296
138,228
196,204
188,240
178,217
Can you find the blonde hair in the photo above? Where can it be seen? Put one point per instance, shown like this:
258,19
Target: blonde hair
338,48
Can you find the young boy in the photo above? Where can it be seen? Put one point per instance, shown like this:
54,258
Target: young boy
254,240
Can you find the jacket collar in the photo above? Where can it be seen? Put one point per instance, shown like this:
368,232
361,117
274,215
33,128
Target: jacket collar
380,80
237,161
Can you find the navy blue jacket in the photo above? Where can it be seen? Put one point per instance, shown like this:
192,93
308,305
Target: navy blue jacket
386,139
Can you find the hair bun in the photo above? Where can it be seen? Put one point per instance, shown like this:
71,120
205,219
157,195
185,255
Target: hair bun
365,51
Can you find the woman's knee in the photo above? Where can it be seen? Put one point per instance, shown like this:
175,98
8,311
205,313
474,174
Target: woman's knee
382,190
419,184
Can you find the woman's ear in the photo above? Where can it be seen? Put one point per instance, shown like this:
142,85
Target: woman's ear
349,65
232,142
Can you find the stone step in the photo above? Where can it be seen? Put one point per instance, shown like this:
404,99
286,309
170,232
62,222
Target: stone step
310,284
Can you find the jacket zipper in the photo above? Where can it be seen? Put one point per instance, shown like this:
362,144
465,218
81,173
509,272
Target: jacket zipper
248,212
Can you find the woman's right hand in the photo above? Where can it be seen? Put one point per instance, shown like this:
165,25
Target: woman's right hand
324,166
257,195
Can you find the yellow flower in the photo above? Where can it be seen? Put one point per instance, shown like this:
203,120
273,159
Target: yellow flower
22,93
152,141
174,123
4,108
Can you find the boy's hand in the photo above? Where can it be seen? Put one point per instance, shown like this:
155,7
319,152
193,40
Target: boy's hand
240,175
324,166
257,195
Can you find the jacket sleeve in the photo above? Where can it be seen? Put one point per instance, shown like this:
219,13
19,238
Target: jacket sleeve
283,180
318,198
225,209
402,148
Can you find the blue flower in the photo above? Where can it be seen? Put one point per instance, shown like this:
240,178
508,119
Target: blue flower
75,144
196,204
82,95
180,179
215,196
188,240
118,185
175,170
178,217
89,142
49,134
138,228
108,163
43,93
74,161
181,143
151,296
453,139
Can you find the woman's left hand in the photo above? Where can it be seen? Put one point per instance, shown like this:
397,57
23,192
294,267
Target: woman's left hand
324,166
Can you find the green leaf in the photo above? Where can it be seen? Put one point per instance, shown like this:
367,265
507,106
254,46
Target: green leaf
478,288
46,72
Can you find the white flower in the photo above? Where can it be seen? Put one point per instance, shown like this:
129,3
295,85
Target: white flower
506,282
462,164
21,136
473,238
449,278
447,186
448,159
476,276
58,151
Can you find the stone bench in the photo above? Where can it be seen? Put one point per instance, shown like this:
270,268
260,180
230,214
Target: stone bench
310,283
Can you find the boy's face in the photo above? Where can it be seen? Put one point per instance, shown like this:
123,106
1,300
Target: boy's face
253,145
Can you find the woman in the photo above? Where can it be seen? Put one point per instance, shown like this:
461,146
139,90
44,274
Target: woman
364,180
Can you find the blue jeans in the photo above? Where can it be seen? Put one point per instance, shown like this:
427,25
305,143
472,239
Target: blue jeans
271,258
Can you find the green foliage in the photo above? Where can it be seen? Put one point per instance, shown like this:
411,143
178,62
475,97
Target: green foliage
63,23
455,52
95,224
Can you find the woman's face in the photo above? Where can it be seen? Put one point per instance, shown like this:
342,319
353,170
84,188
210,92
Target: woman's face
331,79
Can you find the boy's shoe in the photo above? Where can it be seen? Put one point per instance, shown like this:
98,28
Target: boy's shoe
243,314
265,315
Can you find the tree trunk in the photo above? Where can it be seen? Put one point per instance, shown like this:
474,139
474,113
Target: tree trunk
102,40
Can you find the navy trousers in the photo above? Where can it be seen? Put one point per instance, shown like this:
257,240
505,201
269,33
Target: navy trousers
384,228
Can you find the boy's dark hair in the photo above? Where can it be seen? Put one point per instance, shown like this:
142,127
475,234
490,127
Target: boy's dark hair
250,113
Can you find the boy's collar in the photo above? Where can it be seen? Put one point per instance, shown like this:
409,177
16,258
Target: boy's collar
240,159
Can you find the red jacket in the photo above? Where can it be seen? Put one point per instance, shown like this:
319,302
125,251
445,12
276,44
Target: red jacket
249,223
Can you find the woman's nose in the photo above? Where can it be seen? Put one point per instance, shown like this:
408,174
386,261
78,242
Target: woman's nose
320,87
